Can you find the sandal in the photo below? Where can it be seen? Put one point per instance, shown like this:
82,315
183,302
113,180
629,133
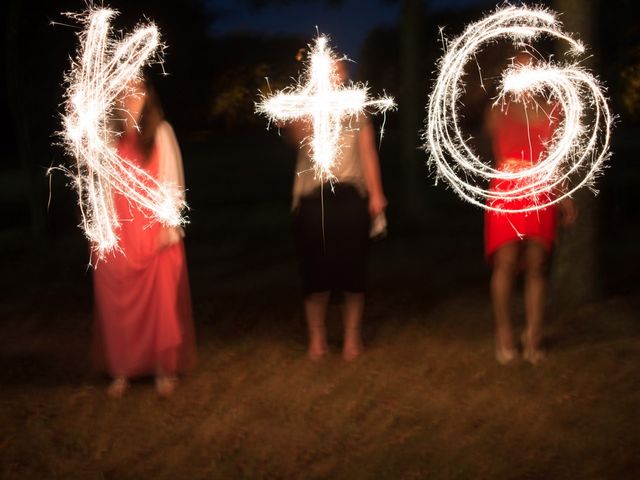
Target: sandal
166,385
118,387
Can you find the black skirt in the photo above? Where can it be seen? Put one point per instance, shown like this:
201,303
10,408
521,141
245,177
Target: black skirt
336,259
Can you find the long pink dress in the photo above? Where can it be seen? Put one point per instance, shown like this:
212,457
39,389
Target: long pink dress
142,295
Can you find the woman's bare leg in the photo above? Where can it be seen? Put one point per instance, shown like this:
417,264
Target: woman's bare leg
505,261
315,307
352,311
534,295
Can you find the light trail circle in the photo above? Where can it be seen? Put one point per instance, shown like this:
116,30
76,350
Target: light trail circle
579,146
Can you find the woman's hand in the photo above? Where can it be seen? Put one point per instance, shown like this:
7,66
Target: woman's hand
377,204
168,236
568,212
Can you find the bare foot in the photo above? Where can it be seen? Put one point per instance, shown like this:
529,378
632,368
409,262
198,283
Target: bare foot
317,352
506,351
534,356
531,351
118,387
166,384
505,356
351,351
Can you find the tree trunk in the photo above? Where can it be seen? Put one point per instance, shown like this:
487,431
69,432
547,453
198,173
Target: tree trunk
575,271
18,87
411,109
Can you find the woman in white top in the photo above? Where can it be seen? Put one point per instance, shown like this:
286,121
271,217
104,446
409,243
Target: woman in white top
332,226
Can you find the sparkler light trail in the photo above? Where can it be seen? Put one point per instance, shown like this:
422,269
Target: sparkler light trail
100,76
320,96
579,147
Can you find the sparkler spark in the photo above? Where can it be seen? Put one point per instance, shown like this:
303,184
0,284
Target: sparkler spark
100,75
321,97
579,147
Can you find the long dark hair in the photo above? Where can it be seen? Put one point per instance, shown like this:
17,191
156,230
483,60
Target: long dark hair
151,117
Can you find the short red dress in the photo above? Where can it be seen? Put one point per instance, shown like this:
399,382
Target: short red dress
517,145
142,295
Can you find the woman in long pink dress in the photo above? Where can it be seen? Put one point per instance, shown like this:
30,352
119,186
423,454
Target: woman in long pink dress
142,297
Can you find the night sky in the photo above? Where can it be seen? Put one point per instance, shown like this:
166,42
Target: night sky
347,23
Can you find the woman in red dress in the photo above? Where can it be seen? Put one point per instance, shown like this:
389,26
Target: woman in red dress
515,241
142,297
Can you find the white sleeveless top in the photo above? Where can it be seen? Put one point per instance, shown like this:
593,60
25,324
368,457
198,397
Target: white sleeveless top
347,167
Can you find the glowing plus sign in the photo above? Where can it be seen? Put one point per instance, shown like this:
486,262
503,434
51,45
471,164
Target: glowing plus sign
322,98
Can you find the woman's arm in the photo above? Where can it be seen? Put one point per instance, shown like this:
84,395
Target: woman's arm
170,172
568,211
295,132
371,169
170,169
